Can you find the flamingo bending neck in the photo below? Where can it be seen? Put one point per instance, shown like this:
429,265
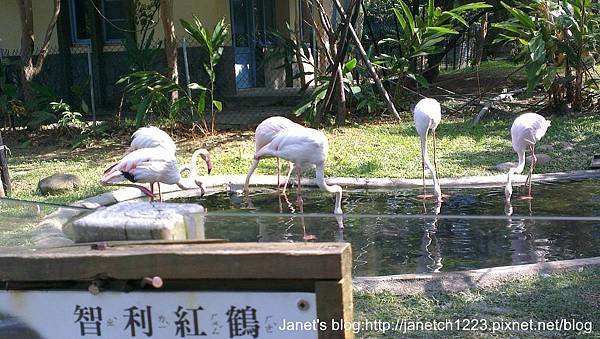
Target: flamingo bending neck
436,185
512,171
320,178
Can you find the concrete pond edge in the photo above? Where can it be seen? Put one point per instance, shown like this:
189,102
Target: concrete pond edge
50,231
444,282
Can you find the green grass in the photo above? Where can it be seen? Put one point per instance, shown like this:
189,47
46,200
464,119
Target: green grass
488,68
573,295
368,150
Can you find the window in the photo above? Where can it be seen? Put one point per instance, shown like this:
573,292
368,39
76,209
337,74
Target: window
113,22
265,21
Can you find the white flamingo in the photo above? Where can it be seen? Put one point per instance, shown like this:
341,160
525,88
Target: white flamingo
150,137
303,147
427,116
526,131
193,167
264,134
145,165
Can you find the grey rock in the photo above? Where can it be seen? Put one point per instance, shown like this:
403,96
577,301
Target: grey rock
567,146
545,148
542,159
505,166
59,183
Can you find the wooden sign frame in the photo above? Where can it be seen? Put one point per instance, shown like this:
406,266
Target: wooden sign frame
322,268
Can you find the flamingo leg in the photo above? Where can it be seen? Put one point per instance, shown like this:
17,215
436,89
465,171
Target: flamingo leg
533,162
423,173
159,192
529,175
287,178
305,236
152,191
278,173
299,190
434,147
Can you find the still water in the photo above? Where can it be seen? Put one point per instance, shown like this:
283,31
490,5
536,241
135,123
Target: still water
385,241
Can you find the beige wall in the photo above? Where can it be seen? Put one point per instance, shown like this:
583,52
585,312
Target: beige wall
208,11
10,23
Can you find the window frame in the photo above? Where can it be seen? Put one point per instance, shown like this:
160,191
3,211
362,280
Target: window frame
75,40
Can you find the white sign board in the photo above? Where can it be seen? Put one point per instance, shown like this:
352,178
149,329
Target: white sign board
162,315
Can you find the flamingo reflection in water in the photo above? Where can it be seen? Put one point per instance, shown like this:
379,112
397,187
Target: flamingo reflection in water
431,258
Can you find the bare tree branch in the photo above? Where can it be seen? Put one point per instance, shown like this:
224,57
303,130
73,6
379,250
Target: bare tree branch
45,46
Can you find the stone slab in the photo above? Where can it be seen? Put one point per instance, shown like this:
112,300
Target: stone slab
134,220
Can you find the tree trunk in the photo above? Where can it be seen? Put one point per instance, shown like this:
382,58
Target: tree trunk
29,70
166,17
480,41
340,117
578,95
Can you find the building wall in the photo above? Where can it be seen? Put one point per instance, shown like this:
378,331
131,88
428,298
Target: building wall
208,11
10,23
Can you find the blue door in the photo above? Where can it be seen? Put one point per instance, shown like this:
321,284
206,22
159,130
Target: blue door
244,43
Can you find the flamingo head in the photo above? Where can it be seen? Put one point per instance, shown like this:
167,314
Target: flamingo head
206,157
508,189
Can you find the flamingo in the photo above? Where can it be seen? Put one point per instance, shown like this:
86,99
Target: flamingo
427,115
149,137
526,131
264,134
145,165
193,168
303,146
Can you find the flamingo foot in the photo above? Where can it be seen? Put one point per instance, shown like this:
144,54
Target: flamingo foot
425,196
526,197
308,237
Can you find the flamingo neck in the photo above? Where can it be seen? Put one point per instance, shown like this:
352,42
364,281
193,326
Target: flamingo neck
436,185
320,178
194,163
511,172
250,171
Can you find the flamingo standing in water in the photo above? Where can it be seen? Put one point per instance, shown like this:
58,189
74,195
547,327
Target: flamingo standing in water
526,131
264,134
303,146
145,165
427,116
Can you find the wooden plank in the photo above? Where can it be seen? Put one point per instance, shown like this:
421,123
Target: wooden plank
335,304
318,261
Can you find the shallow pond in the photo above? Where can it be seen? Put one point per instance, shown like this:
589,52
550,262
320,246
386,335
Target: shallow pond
388,236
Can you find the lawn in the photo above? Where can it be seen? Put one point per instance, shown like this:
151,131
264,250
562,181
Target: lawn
569,296
370,149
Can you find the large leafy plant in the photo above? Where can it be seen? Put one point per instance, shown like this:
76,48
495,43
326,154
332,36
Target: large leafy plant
311,105
556,39
152,92
421,36
213,44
